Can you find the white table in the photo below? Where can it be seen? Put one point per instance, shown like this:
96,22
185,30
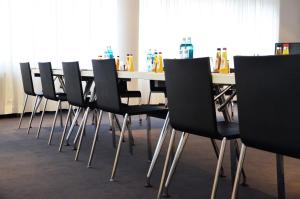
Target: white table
217,78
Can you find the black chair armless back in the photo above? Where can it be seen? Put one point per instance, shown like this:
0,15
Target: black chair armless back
267,92
190,97
106,83
47,80
27,78
73,86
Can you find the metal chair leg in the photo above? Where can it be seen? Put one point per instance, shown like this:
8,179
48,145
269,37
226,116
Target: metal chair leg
95,139
149,98
22,114
73,124
36,102
112,178
82,132
149,145
130,136
218,169
178,153
160,142
61,116
54,121
140,118
41,121
238,172
78,131
217,152
163,176
280,176
113,129
65,128
244,177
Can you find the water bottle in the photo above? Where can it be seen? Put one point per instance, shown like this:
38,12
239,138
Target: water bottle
190,48
149,61
182,49
110,54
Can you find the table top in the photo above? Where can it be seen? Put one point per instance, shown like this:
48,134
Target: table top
217,78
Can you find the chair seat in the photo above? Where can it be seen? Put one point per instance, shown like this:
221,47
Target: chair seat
229,130
130,94
142,109
160,114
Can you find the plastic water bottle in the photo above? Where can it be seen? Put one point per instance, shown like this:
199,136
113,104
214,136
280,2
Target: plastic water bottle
182,49
110,54
149,61
190,48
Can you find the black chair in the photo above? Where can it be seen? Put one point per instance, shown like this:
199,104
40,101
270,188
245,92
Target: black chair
192,111
76,98
108,100
157,87
267,121
29,91
50,93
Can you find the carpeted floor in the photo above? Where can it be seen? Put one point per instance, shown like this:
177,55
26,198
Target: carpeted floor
30,169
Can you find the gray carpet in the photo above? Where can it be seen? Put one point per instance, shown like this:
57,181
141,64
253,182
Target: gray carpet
31,169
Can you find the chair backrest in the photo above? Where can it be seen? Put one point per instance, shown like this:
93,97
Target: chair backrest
73,86
27,78
122,85
190,97
268,89
106,83
47,80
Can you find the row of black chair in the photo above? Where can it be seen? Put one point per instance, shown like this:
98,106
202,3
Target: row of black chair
107,97
263,114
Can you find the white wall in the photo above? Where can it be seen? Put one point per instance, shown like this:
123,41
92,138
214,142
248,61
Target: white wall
289,30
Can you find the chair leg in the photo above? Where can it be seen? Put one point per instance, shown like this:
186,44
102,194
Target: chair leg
95,139
149,145
112,178
113,129
244,177
36,103
41,121
238,172
140,118
164,173
82,132
54,122
61,116
75,141
280,177
119,125
160,142
178,153
65,128
218,169
22,114
149,98
217,152
74,121
130,136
